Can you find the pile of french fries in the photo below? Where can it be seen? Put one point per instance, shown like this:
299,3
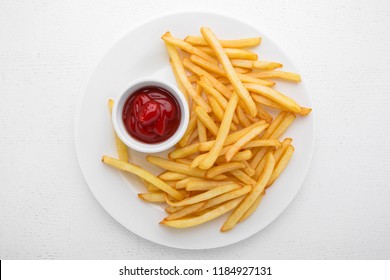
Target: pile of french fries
231,152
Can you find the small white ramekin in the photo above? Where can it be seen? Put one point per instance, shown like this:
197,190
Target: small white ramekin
135,144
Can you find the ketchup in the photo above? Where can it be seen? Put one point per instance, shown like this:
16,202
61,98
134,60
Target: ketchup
151,114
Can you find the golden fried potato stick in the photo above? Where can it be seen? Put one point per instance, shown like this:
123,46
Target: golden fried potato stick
281,150
231,138
240,70
205,195
205,217
245,78
282,127
183,77
263,65
223,168
219,71
140,172
202,132
248,170
193,78
182,184
240,156
185,211
120,146
206,120
152,197
244,121
222,134
263,114
178,81
176,166
193,137
232,53
243,177
169,176
184,151
201,72
274,131
191,127
243,141
277,74
152,188
173,209
205,185
275,96
229,70
252,196
167,37
281,165
226,197
262,143
236,43
252,208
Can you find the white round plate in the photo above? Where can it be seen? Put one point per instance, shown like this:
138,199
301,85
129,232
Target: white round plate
142,53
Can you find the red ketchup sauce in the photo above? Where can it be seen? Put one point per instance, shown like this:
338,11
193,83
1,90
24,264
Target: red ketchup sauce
151,114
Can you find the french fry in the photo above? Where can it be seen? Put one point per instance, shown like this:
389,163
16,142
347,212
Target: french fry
262,143
167,37
213,92
178,81
184,160
170,176
243,141
281,150
281,165
200,72
225,197
218,70
120,146
275,96
244,121
240,156
238,43
185,211
232,53
263,114
172,209
202,133
251,197
248,169
183,76
140,172
252,208
243,177
193,137
191,127
152,197
207,216
226,167
206,120
205,185
282,127
231,138
228,68
205,195
176,167
184,151
263,65
222,134
277,74
152,188
182,184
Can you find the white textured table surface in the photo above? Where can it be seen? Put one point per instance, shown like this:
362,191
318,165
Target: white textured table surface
49,48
